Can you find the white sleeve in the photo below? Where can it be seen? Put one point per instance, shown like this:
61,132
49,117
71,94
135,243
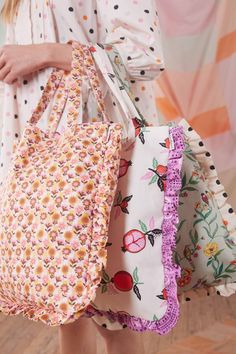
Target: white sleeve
134,28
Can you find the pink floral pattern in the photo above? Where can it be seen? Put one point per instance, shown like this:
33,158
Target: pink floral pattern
55,207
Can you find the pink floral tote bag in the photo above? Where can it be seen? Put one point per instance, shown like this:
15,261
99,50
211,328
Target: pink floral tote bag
138,287
55,205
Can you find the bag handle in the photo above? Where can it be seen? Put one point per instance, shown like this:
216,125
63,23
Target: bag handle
119,92
68,87
54,81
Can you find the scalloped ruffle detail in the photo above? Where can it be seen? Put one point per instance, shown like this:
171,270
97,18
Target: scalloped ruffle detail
169,229
108,179
217,189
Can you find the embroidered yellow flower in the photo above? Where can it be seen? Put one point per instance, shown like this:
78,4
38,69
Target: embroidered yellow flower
211,249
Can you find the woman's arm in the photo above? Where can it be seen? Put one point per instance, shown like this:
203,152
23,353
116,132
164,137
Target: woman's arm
19,60
133,28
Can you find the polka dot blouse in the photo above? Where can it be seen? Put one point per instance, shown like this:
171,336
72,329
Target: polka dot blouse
132,26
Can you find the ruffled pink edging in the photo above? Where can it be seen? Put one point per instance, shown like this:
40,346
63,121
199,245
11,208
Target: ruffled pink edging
171,270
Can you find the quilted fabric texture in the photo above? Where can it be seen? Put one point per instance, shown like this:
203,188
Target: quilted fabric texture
55,207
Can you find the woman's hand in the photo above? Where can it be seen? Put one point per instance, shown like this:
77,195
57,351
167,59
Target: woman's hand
19,60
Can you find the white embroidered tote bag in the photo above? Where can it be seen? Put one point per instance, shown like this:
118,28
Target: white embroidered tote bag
138,287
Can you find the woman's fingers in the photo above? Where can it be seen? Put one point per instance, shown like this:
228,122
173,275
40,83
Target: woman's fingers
9,78
2,62
4,72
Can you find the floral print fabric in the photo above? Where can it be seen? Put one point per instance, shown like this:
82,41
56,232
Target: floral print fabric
54,210
206,248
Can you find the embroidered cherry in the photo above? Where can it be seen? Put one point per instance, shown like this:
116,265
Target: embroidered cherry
161,170
134,241
164,295
160,173
124,165
123,281
166,144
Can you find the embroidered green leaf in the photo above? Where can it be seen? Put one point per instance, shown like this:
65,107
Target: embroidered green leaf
143,226
220,269
197,221
154,163
119,197
229,244
207,214
135,275
230,270
153,180
225,276
155,318
196,238
184,179
214,266
191,237
199,213
178,239
190,189
177,258
105,277
215,231
218,253
207,231
231,266
212,220
104,288
209,262
181,224
193,181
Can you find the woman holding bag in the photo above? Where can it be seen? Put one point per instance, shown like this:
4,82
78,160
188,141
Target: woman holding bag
36,41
